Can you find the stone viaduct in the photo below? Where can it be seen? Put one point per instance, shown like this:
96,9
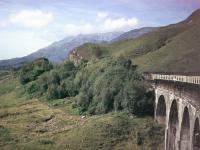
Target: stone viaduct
177,107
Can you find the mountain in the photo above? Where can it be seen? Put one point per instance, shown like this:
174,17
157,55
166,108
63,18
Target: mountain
173,48
58,51
135,33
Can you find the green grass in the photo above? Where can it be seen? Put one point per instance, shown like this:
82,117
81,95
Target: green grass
7,87
64,104
4,135
114,131
4,74
10,93
111,131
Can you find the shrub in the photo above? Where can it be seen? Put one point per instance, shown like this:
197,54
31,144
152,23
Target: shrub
52,92
32,70
46,141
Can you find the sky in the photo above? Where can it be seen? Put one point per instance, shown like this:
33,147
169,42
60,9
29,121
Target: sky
28,25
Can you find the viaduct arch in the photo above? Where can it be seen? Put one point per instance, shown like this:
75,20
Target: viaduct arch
161,110
185,131
172,126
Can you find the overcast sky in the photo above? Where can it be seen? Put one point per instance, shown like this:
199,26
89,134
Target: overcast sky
27,25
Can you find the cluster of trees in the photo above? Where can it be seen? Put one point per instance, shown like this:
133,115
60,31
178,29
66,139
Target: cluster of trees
99,87
114,85
56,83
32,70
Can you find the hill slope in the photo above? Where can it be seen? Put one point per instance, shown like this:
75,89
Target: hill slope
174,48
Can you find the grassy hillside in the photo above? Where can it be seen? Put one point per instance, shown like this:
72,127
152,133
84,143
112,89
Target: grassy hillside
35,124
173,48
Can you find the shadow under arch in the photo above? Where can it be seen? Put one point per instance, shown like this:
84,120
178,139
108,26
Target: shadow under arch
185,131
196,135
172,127
161,110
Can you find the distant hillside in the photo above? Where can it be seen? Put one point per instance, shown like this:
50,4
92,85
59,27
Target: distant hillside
58,51
173,48
15,62
135,33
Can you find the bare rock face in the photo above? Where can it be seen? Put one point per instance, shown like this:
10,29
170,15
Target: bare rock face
75,57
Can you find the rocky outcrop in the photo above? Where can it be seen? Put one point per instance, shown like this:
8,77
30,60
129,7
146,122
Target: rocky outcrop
75,57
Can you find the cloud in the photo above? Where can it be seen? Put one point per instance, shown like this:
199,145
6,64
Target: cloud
72,29
102,15
120,24
104,23
3,24
32,18
29,18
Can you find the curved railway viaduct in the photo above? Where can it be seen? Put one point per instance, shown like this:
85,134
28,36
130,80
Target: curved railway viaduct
177,106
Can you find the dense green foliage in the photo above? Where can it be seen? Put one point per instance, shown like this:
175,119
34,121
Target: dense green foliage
113,86
54,84
32,70
99,87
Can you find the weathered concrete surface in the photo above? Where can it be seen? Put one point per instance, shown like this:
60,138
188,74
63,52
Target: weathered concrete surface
177,106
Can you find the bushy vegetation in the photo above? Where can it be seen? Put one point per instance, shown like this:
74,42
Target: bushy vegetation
32,70
99,87
54,84
115,85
